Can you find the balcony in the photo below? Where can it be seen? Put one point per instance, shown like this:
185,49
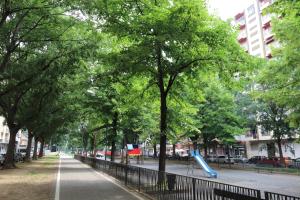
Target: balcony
242,40
242,26
267,25
269,39
266,19
269,56
264,4
239,15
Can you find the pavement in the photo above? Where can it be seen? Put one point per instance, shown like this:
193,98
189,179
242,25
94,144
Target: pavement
78,181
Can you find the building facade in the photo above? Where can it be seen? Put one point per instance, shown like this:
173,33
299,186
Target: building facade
21,138
255,29
256,37
4,136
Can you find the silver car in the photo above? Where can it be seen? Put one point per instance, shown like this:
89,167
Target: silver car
224,159
211,158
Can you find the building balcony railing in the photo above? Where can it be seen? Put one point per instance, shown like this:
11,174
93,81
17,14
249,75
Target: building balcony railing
242,39
269,39
242,26
239,15
267,25
264,4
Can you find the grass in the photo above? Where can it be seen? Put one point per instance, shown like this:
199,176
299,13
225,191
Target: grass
30,181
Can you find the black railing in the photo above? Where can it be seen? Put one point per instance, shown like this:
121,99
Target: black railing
276,196
163,185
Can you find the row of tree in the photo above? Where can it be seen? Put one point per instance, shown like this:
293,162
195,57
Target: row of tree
116,72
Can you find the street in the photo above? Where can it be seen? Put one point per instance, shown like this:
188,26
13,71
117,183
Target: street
278,183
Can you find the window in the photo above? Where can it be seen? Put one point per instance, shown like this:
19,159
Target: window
255,47
253,33
255,41
253,27
252,20
251,10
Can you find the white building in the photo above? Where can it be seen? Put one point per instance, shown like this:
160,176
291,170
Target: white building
21,138
255,34
4,136
256,37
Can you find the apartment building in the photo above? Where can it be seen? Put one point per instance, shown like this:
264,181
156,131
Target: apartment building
4,135
256,37
21,138
255,29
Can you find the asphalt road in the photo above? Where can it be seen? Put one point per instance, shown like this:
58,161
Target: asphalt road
78,181
278,183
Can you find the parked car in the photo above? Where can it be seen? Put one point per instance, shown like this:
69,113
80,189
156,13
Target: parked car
225,159
256,159
240,159
99,156
295,163
1,159
211,158
272,162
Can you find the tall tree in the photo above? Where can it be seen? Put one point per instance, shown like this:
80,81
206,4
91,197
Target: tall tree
167,39
284,70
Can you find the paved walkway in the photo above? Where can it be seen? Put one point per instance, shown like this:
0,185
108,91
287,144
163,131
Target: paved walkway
77,181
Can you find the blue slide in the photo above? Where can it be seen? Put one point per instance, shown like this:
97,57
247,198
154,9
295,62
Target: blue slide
212,173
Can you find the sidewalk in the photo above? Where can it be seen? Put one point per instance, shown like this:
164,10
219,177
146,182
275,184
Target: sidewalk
78,181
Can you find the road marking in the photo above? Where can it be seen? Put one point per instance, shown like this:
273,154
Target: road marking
58,181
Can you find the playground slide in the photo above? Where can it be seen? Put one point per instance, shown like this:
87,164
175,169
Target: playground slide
212,173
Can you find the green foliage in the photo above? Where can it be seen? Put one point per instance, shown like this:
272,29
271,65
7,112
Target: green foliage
283,71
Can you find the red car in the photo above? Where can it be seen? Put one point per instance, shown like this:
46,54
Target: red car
274,161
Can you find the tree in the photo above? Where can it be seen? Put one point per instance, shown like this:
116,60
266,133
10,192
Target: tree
284,70
164,40
41,41
217,116
274,118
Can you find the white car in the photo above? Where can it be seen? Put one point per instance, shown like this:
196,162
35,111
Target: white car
211,158
99,156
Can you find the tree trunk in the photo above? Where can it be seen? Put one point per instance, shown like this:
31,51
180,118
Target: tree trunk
29,144
154,151
163,132
114,135
10,153
34,156
174,150
41,152
280,151
195,145
123,152
205,146
94,144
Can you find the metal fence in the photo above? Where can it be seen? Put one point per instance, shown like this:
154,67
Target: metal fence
163,185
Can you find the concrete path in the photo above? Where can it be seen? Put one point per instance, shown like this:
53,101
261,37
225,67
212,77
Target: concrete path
77,181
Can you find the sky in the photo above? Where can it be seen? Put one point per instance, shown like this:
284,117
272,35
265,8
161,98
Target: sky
228,8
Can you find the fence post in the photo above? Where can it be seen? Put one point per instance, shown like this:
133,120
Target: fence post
266,196
194,188
116,170
126,173
139,179
259,195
